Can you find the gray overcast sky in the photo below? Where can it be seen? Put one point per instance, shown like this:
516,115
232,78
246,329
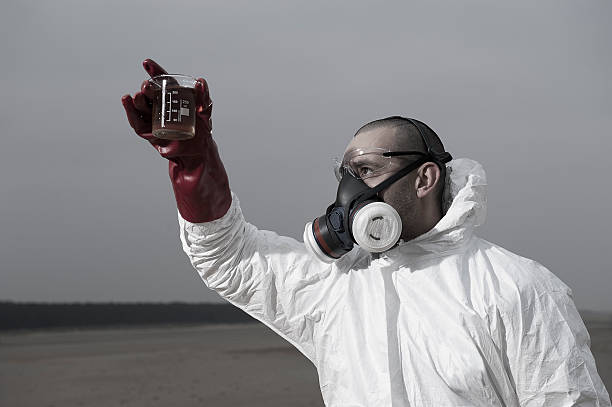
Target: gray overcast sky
87,211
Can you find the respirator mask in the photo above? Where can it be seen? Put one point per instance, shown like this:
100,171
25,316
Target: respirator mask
359,215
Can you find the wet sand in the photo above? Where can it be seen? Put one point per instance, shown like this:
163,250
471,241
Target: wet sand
208,365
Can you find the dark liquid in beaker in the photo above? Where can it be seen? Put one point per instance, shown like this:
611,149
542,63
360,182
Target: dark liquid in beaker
174,113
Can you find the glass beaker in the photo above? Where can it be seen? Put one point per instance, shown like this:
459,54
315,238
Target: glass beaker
173,106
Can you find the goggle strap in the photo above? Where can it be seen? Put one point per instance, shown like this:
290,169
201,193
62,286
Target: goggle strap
400,153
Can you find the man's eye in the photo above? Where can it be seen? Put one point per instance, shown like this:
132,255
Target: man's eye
364,171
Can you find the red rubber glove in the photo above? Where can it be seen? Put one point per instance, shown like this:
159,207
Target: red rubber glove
199,180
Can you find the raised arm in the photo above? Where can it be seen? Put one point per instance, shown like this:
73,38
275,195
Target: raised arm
270,277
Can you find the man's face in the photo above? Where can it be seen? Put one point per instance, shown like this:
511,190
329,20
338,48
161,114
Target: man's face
401,195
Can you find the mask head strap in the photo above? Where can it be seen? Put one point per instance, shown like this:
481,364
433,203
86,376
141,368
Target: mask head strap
439,157
386,183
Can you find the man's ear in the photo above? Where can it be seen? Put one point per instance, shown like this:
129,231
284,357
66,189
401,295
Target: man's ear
428,176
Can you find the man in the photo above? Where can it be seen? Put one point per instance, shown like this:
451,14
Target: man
441,317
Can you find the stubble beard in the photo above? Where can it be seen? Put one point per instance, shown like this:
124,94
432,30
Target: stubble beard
404,201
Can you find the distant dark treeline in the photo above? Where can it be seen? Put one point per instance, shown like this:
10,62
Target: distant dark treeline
24,315
14,315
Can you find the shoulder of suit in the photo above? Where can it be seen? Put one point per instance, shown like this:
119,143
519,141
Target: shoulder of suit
513,271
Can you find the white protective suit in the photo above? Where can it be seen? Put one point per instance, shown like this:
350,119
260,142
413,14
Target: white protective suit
446,319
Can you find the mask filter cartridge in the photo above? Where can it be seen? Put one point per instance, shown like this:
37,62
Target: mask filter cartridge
313,247
376,227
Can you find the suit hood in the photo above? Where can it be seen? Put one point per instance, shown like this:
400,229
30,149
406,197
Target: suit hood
464,206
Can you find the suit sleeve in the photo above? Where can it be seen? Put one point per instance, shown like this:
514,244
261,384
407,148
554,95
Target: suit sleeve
549,348
270,277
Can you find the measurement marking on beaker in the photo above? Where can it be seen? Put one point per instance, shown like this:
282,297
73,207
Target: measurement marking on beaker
163,102
169,108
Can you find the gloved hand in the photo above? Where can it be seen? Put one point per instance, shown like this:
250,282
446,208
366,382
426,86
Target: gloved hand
199,180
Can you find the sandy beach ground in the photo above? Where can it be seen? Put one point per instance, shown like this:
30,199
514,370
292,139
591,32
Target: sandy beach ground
214,365
208,365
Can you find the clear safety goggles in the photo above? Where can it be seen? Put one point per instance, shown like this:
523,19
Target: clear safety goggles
364,163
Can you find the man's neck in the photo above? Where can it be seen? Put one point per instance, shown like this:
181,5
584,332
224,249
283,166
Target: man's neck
428,220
